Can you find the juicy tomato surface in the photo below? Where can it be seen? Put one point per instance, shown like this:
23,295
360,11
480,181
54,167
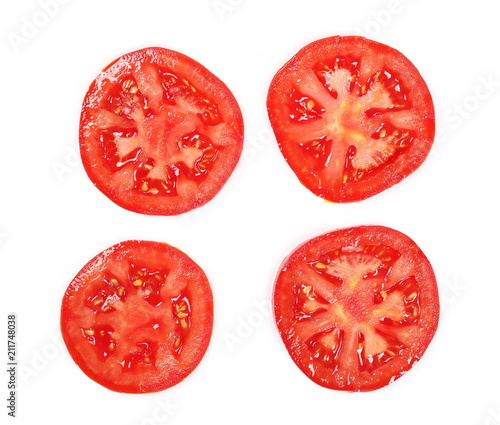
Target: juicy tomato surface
357,307
138,317
159,133
352,117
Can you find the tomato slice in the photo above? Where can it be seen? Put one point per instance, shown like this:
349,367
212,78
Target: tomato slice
159,133
352,117
138,317
357,307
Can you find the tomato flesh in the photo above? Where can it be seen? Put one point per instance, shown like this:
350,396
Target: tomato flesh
356,308
352,117
138,317
159,133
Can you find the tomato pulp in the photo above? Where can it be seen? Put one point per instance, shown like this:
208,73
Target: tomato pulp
357,307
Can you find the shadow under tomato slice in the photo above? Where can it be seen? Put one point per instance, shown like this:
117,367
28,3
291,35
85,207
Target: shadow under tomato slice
357,307
352,117
138,317
159,133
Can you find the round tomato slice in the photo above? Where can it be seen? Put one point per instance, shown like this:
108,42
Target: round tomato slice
357,307
352,117
159,133
138,317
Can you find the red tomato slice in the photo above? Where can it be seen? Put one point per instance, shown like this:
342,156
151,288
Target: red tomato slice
159,133
138,317
357,307
352,117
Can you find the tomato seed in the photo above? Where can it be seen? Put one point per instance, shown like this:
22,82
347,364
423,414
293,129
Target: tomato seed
412,296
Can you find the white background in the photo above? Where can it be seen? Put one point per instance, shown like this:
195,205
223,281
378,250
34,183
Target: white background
53,220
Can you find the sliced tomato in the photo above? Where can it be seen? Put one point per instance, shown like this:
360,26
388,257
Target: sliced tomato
159,133
352,117
357,307
138,317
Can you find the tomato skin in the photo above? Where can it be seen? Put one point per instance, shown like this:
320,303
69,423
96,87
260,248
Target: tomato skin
346,373
111,365
163,114
418,113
